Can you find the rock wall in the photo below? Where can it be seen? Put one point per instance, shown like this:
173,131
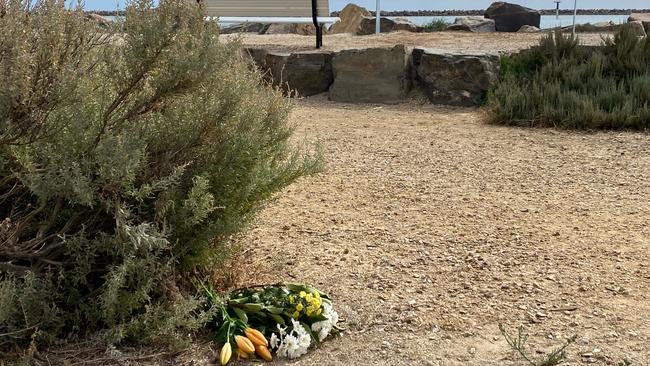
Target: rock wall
380,75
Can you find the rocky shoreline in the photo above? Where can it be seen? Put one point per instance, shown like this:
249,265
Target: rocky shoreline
429,13
412,13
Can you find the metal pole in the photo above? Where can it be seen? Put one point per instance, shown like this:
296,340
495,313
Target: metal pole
378,17
575,12
319,28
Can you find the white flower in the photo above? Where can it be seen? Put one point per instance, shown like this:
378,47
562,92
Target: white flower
304,340
324,328
296,343
274,341
290,347
330,313
297,328
282,330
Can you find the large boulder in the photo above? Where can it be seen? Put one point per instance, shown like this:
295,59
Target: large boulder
474,24
368,26
644,18
351,17
637,28
258,28
455,79
372,75
511,17
292,28
305,73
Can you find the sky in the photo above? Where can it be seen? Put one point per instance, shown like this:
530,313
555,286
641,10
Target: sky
436,4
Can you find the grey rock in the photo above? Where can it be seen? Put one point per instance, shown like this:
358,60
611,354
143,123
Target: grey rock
459,80
293,28
372,75
258,28
473,24
528,29
644,18
368,26
637,28
511,17
305,73
598,27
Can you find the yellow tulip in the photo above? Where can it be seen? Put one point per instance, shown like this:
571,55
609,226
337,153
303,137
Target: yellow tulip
241,355
264,353
245,344
256,337
226,353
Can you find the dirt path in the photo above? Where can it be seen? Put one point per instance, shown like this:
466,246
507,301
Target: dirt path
429,228
450,41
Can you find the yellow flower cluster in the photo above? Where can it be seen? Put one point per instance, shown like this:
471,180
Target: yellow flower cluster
309,303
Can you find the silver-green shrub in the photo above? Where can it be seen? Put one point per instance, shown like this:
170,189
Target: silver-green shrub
128,157
563,84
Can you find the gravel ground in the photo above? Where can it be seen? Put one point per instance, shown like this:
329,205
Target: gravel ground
430,227
452,41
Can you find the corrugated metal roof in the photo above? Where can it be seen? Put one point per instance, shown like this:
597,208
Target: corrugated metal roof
269,8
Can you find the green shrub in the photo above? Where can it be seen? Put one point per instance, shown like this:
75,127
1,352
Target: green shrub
562,84
436,25
129,157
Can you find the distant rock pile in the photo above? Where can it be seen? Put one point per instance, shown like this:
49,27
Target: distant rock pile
358,20
260,28
474,24
500,16
387,25
98,19
637,26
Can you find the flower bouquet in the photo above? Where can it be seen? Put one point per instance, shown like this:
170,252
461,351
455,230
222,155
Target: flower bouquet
284,318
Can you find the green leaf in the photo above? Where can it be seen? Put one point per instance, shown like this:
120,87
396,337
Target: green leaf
241,300
252,308
241,314
317,318
278,319
274,310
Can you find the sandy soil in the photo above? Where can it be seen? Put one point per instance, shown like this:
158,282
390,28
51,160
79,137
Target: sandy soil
452,41
429,228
